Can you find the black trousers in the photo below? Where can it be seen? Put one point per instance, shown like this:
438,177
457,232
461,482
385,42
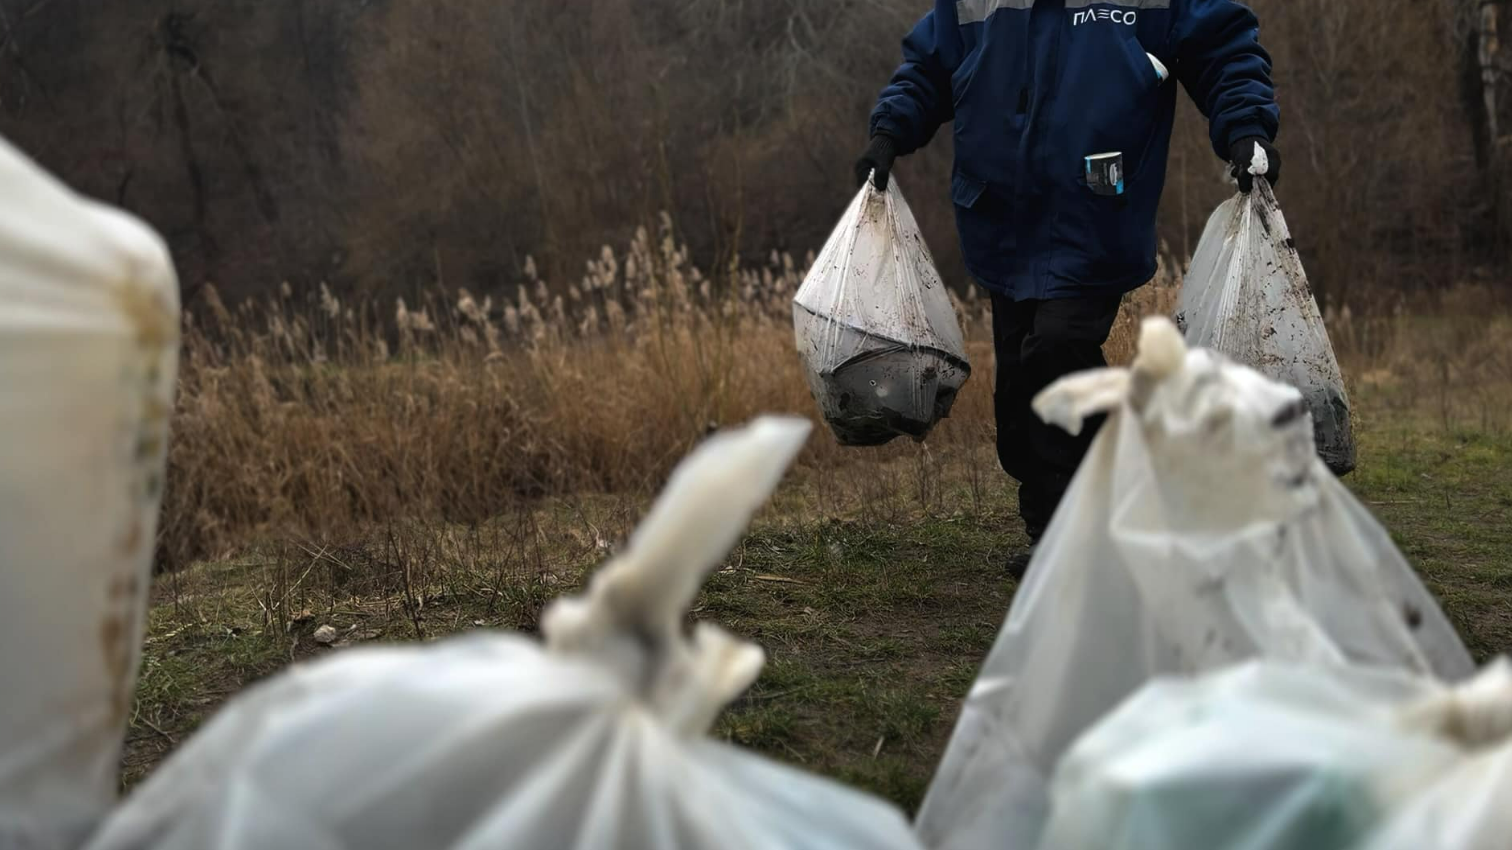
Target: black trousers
1037,342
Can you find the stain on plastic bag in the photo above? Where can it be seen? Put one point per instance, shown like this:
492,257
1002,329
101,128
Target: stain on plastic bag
1247,297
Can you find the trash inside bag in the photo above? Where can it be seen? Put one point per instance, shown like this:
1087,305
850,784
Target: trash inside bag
594,738
881,346
89,322
1201,529
1261,756
1246,296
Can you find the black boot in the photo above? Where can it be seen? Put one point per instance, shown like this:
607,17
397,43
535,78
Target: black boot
1018,562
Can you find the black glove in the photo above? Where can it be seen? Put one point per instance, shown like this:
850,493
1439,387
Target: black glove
878,157
1243,153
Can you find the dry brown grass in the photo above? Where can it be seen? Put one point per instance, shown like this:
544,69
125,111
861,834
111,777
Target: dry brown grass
1442,360
312,419
309,417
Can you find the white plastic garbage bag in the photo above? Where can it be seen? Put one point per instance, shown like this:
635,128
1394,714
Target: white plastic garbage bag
1468,807
594,739
88,357
881,345
1201,529
1247,297
1262,756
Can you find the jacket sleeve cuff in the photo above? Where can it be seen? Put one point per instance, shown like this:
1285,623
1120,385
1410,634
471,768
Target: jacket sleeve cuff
883,125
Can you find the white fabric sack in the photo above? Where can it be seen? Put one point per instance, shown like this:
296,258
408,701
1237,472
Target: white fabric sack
1262,756
881,345
1246,296
1201,530
594,739
89,322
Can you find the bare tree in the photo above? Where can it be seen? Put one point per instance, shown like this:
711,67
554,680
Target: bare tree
389,144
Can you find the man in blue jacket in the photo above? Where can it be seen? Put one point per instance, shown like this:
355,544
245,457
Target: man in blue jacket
1062,115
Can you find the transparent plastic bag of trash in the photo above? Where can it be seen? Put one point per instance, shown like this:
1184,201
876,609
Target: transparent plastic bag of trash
881,345
1246,296
594,738
89,323
1201,530
1274,756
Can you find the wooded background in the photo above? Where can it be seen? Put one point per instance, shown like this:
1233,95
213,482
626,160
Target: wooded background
390,145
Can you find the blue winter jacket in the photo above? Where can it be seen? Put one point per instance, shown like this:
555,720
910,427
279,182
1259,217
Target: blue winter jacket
1033,87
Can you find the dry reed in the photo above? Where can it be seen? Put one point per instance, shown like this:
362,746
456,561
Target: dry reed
310,417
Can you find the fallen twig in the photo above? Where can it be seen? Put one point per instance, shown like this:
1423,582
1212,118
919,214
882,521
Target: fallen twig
154,727
782,579
777,695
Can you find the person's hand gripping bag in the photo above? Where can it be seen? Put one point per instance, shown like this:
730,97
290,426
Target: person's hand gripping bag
1201,530
881,345
594,738
89,325
1247,297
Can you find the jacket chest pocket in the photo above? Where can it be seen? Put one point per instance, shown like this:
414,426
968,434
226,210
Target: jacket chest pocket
1109,96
